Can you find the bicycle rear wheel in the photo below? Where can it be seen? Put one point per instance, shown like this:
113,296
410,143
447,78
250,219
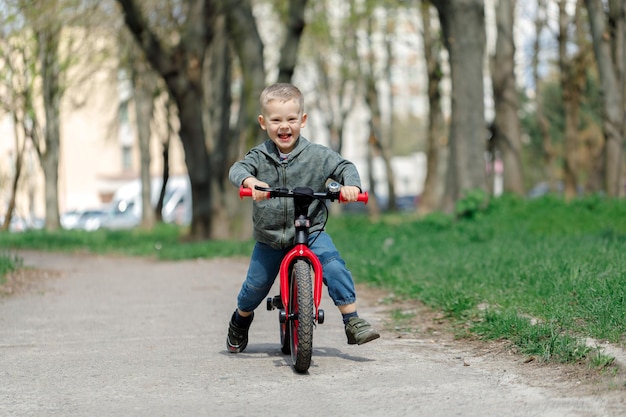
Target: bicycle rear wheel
301,313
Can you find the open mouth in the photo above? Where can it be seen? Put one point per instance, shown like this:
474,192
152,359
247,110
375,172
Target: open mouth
284,136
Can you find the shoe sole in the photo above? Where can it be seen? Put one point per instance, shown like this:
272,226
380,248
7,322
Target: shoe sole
235,349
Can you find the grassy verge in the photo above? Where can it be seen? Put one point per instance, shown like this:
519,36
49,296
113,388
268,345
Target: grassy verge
542,274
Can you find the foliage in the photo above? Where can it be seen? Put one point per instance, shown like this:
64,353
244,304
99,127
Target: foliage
552,99
471,204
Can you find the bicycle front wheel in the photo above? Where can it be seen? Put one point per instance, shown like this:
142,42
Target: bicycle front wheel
302,316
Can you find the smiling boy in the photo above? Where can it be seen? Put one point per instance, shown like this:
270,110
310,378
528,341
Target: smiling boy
289,160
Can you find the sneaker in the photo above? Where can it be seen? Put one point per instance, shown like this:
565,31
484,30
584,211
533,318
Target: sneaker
237,338
360,331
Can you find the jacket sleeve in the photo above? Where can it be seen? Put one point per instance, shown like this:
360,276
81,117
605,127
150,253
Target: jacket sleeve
243,169
345,172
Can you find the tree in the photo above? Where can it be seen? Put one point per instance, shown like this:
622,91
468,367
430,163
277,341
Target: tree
145,91
48,34
289,53
573,79
608,32
547,145
463,26
378,141
436,141
506,130
54,39
330,44
16,100
181,64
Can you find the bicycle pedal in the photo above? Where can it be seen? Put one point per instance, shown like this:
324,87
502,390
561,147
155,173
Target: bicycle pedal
277,301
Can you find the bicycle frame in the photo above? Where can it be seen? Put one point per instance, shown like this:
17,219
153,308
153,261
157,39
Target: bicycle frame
299,298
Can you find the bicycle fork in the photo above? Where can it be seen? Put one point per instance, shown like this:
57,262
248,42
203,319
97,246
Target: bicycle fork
281,301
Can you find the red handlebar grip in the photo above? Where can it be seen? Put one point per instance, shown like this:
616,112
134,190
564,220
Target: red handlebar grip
363,197
245,192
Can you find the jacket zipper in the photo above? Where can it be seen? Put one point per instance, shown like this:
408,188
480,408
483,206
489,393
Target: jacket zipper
283,167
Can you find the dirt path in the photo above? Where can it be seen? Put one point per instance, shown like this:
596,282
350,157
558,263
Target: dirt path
107,336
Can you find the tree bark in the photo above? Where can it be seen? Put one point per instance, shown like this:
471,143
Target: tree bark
463,25
144,93
289,52
48,50
19,158
549,153
506,124
248,45
608,45
378,143
436,142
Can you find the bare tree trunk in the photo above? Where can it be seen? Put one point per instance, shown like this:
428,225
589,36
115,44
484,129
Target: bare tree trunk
549,154
48,45
379,144
218,81
573,79
144,93
158,211
19,158
373,208
463,24
246,42
436,141
507,130
608,44
289,51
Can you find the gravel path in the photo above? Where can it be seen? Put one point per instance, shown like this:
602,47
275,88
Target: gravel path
113,336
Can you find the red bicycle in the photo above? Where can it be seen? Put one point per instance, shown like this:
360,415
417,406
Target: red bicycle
300,275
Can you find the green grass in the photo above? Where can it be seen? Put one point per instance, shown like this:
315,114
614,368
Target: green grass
541,273
545,273
164,242
8,263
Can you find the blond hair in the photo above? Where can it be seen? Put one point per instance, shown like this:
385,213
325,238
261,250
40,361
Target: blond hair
282,92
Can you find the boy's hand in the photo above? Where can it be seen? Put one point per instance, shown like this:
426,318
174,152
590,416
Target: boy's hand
257,195
350,193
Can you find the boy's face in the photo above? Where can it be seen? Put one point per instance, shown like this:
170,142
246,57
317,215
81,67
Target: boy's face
283,121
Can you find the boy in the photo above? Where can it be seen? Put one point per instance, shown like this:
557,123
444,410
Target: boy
288,160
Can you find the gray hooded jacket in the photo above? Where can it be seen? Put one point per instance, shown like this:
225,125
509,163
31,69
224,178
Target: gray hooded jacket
309,165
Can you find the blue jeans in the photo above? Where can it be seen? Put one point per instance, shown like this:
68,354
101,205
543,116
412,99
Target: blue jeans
265,265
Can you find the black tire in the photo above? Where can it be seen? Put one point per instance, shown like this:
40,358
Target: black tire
301,303
285,340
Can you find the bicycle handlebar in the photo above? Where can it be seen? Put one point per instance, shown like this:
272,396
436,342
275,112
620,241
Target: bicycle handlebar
284,192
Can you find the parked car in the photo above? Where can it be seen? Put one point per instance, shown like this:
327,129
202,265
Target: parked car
91,219
176,203
69,219
120,216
